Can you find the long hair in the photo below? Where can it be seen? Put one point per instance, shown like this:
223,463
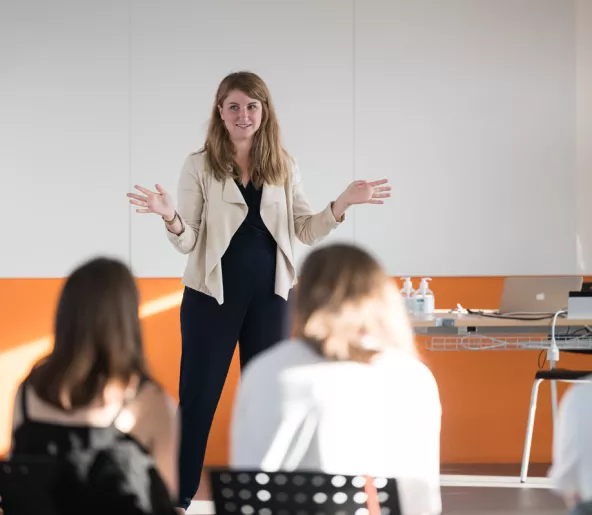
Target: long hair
268,157
98,337
347,306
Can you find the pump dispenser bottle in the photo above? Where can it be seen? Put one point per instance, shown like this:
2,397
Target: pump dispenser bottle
424,298
408,294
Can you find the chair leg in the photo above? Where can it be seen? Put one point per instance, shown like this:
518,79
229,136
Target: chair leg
529,430
554,405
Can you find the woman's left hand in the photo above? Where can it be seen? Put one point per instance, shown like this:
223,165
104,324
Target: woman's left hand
367,192
361,192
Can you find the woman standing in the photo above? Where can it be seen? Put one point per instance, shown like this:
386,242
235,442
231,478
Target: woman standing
241,209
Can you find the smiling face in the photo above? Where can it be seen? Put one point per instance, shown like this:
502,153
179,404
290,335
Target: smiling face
243,120
242,115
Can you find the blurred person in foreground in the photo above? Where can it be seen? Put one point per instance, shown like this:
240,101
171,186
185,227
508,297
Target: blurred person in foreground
347,395
91,407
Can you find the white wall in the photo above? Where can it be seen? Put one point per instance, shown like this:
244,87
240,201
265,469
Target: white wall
467,105
181,51
584,136
64,134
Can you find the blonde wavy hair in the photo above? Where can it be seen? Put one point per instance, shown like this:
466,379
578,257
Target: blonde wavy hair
268,157
348,308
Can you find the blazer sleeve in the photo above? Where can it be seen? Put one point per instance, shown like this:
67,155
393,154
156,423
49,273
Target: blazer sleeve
190,200
310,227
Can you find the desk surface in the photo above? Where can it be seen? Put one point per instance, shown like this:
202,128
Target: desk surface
444,318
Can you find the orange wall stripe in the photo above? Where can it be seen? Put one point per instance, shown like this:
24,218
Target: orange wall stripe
484,394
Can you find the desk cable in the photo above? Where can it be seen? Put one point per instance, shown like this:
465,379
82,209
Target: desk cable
525,316
551,354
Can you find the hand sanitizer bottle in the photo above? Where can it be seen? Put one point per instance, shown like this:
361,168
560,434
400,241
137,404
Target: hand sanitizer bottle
408,294
424,298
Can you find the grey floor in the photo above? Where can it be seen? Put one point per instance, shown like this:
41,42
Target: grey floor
533,497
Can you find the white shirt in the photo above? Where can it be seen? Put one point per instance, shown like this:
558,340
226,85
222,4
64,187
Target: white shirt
380,419
571,472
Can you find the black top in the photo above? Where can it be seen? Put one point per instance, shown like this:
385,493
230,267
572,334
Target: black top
252,196
100,469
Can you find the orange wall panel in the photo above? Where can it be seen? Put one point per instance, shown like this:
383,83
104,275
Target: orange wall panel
484,394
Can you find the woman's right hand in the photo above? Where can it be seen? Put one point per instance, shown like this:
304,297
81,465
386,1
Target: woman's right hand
159,202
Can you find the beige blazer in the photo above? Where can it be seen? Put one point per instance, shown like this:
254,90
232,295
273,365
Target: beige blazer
212,211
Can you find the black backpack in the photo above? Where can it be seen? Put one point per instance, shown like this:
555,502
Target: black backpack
114,476
79,469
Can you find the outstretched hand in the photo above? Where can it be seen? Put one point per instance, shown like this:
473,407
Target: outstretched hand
159,201
367,192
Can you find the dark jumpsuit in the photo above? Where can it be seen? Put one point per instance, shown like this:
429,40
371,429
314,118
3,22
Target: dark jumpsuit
251,314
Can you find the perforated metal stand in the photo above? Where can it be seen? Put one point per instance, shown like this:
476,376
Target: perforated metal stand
250,492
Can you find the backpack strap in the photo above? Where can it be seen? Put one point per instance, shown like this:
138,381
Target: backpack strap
24,410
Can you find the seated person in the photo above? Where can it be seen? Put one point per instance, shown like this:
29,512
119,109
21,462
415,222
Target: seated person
91,405
348,395
571,472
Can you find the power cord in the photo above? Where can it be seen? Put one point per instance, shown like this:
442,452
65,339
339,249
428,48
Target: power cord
553,354
514,316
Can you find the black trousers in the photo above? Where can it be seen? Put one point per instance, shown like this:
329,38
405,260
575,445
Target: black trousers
251,314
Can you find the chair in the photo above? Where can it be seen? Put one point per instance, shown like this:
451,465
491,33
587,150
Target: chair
250,492
553,374
26,485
